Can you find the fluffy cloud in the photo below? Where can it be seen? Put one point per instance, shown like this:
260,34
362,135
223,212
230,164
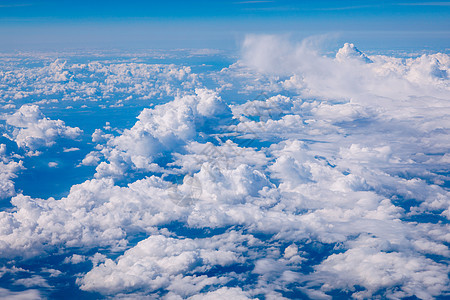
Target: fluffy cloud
49,81
83,217
375,267
223,293
172,264
8,171
350,74
32,130
162,131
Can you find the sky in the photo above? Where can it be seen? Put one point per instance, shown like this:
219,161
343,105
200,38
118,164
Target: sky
224,150
218,24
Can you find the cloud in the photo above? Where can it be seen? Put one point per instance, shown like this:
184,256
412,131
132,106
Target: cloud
15,5
223,293
31,294
32,130
347,7
426,4
8,171
251,2
75,259
349,51
33,281
330,78
71,149
160,262
59,80
164,129
38,225
375,270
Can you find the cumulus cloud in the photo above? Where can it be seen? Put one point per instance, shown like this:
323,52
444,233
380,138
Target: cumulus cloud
39,225
159,131
173,264
223,293
51,81
8,171
374,269
32,130
349,51
349,75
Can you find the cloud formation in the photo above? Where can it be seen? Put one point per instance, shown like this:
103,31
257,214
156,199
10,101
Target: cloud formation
99,80
331,184
31,130
8,171
161,131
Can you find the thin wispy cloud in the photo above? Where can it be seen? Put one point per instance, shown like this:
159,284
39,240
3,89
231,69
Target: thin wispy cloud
426,4
15,5
272,8
346,7
253,2
291,8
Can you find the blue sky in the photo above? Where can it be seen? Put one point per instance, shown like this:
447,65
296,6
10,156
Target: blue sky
218,24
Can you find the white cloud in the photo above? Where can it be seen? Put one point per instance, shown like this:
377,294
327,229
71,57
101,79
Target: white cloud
223,294
33,281
349,52
164,129
375,270
364,83
75,259
23,295
71,149
160,262
91,159
8,171
93,81
83,218
32,130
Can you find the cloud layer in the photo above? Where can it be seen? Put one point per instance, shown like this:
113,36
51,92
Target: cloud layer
332,183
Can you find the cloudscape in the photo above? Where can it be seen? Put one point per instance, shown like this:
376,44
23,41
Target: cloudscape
224,150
